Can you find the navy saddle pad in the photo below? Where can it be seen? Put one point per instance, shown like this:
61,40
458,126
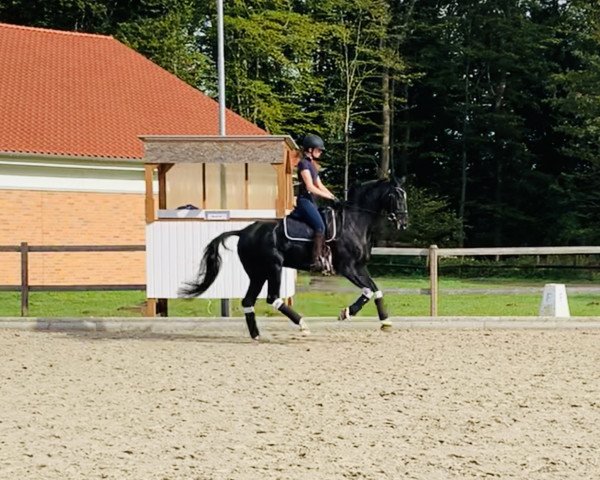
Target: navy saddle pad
296,229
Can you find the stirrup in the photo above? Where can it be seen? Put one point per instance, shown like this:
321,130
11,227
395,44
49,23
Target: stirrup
327,263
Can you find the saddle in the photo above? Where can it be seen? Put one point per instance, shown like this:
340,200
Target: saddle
298,231
295,229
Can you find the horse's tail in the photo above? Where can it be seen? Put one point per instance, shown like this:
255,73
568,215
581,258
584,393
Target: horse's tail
209,267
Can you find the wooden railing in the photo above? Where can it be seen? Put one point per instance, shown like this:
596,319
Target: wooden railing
433,253
24,249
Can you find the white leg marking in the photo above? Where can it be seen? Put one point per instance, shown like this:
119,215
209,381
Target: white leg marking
277,303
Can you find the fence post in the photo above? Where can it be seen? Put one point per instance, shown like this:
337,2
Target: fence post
24,279
433,280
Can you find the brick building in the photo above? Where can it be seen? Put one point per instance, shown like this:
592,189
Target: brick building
72,106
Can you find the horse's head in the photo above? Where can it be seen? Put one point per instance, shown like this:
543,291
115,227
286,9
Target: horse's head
395,203
385,197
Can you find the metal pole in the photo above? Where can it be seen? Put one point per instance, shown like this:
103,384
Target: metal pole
221,66
222,127
221,71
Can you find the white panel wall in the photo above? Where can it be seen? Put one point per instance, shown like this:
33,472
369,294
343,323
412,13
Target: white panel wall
65,175
174,250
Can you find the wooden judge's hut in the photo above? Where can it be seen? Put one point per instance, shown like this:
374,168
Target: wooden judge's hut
207,185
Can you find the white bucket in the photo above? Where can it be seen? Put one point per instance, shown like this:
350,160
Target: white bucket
554,301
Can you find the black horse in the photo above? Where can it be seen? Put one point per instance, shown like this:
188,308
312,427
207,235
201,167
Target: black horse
264,250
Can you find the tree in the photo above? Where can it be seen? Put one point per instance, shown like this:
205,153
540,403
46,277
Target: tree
354,56
578,103
168,33
269,49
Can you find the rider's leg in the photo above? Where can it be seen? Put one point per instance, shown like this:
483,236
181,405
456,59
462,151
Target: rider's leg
316,264
310,214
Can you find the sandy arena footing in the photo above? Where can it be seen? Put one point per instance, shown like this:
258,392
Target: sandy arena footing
322,324
348,402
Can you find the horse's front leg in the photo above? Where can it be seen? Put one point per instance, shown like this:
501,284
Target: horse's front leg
381,310
359,276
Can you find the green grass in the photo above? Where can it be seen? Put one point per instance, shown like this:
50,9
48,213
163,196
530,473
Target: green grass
309,303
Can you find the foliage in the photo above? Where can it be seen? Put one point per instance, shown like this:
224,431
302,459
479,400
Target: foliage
430,222
494,105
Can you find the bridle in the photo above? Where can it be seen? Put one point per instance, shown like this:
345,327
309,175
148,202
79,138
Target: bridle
394,204
392,210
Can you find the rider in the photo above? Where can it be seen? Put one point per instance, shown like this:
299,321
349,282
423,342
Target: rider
311,185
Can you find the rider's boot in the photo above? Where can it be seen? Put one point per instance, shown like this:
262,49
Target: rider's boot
317,253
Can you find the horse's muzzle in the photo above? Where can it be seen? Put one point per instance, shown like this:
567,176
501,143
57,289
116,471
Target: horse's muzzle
400,220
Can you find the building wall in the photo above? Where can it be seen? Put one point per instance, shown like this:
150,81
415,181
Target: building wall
41,205
72,218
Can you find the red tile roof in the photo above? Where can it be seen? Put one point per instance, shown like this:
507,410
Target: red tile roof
77,94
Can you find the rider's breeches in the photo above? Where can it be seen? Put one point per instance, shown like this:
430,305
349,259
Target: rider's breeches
307,210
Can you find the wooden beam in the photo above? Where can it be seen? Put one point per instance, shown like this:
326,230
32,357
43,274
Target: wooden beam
24,279
433,280
150,307
162,185
150,216
246,187
204,186
289,179
281,200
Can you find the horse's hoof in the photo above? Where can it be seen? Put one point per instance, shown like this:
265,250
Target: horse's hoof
386,324
304,330
256,340
344,314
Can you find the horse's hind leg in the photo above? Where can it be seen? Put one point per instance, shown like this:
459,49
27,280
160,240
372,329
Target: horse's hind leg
248,302
278,303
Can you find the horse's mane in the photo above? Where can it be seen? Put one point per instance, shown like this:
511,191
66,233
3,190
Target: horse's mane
359,190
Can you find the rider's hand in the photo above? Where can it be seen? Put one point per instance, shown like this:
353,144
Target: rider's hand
336,201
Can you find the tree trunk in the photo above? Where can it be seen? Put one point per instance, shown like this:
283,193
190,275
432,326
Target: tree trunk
346,161
407,134
386,127
498,225
463,158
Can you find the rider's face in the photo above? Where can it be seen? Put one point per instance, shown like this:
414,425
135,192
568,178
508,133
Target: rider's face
316,153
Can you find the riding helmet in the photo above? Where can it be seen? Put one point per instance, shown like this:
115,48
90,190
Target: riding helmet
313,141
